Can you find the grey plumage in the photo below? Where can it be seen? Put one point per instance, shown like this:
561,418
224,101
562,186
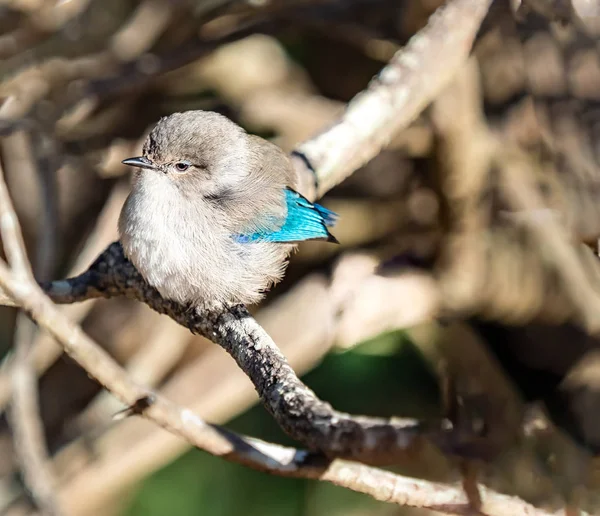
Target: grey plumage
178,226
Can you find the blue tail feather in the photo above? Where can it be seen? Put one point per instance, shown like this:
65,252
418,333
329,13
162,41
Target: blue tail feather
304,221
328,216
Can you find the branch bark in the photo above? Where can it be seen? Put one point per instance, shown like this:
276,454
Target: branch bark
254,453
27,426
297,409
394,98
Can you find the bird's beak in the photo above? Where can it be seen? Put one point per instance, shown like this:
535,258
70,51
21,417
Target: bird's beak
139,162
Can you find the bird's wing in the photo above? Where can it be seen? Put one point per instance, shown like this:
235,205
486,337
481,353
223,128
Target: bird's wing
303,221
258,204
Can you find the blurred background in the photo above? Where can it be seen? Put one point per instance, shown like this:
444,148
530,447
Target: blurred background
466,285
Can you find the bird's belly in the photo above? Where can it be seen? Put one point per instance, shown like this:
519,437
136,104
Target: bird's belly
206,266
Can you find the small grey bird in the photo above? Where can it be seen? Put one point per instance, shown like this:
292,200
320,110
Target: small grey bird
212,215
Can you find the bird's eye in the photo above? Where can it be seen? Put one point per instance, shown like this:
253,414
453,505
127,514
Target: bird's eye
182,166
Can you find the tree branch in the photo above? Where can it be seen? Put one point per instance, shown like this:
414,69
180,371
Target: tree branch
26,423
28,429
382,485
296,408
395,97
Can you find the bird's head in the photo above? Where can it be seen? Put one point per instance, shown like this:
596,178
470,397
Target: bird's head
200,153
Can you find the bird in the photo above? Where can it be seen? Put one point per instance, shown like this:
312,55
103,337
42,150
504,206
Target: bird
213,213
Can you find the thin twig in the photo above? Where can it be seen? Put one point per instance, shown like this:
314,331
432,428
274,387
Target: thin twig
27,425
147,22
522,195
12,238
149,365
28,431
46,163
42,21
45,349
211,385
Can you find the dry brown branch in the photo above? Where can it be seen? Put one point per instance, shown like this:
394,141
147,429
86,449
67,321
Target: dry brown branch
302,321
147,22
23,91
149,365
45,351
264,456
12,238
26,423
27,426
394,98
520,191
212,386
302,414
468,151
369,304
464,157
